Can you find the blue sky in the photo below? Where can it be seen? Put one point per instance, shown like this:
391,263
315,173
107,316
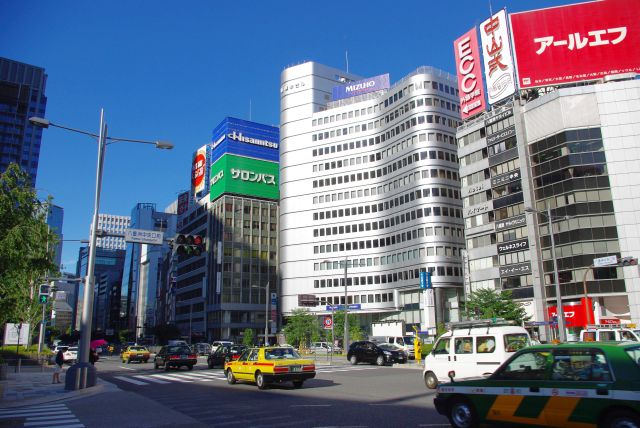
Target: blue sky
173,70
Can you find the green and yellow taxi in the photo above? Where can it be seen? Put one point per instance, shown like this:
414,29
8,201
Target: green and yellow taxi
135,353
576,385
271,364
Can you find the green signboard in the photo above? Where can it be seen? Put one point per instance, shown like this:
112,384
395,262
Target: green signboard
244,176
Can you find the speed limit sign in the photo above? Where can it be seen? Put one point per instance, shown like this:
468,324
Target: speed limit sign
328,322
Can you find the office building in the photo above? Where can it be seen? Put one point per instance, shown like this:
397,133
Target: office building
573,150
55,219
22,95
369,178
142,277
224,291
115,224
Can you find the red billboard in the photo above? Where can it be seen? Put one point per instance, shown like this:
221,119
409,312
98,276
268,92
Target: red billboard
584,41
469,69
576,314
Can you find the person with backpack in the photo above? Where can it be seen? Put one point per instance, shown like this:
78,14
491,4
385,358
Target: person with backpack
58,368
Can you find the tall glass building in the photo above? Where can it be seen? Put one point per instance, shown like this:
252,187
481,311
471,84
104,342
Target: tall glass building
369,178
22,95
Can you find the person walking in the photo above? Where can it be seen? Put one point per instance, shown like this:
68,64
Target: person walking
93,356
58,368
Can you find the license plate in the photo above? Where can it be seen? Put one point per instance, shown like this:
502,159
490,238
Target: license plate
295,369
183,357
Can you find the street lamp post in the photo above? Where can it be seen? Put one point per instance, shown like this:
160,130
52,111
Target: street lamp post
83,374
562,334
346,309
266,312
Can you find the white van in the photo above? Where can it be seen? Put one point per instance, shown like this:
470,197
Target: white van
472,349
608,332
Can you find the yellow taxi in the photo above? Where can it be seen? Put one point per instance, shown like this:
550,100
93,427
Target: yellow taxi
268,365
135,353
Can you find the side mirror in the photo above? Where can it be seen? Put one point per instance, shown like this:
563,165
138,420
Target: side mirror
451,375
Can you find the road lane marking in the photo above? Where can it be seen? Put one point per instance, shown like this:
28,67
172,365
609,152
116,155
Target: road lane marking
310,405
50,423
186,376
166,377
127,368
150,379
133,381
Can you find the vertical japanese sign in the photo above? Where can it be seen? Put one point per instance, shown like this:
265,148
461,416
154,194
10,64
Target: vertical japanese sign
496,53
583,41
198,170
470,84
183,202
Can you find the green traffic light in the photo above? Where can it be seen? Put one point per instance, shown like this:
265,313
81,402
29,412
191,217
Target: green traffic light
44,298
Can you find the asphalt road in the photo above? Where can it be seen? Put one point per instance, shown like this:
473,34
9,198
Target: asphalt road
341,395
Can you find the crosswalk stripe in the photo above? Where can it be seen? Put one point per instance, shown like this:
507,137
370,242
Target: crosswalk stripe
133,381
171,378
151,379
34,413
50,423
185,376
205,375
49,417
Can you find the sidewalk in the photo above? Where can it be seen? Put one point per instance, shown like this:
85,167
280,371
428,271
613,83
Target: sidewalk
33,386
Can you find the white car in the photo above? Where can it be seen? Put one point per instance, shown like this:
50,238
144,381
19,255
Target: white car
323,348
71,355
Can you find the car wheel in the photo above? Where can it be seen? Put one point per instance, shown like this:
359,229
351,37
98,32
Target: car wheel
430,380
298,383
380,360
353,360
190,367
231,379
210,364
262,384
155,365
145,360
124,361
621,419
166,367
462,414
128,360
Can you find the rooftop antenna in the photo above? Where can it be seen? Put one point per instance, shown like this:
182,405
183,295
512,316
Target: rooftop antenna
490,9
346,57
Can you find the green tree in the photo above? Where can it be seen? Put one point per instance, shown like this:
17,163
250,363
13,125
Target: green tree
26,247
486,303
248,337
301,327
355,331
125,336
164,332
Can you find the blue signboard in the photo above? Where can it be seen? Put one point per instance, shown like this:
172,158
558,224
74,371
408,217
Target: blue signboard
244,138
425,280
353,307
360,87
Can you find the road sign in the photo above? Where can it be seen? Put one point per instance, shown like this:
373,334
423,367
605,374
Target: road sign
142,236
605,261
425,280
327,322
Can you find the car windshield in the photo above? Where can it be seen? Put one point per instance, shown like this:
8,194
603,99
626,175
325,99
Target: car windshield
178,350
387,346
137,348
281,354
408,340
73,349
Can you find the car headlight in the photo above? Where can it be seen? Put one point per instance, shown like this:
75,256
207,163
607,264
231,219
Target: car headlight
387,353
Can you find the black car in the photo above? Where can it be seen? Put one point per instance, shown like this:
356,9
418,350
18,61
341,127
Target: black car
175,356
369,352
224,354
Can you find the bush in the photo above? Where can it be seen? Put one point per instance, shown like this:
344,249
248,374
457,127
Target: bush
8,352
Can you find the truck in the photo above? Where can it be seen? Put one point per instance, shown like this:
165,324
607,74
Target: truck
393,332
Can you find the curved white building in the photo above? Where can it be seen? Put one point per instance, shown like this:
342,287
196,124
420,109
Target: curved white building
371,180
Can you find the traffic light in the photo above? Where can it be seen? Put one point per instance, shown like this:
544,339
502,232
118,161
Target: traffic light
628,261
43,294
189,245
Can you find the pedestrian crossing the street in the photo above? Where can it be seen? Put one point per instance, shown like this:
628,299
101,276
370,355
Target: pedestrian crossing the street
209,376
49,415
